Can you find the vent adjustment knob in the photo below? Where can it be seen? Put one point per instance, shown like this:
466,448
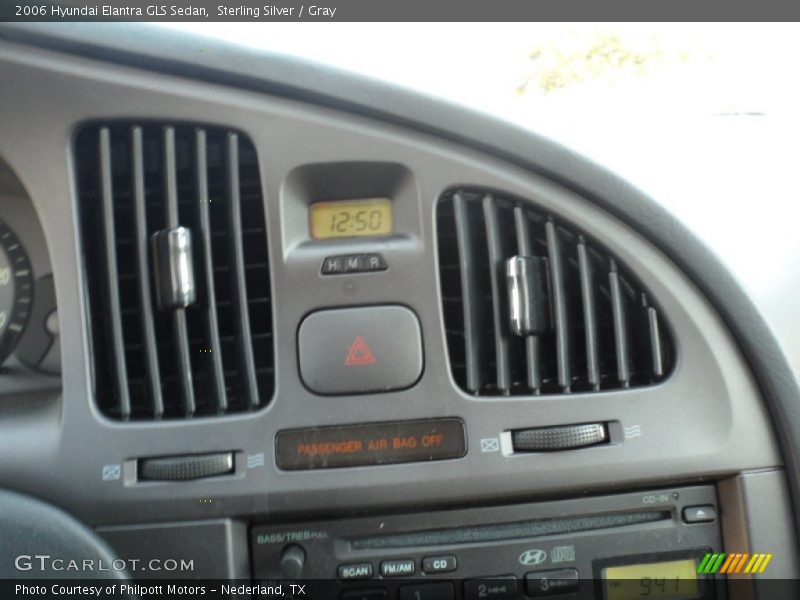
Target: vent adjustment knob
526,279
172,265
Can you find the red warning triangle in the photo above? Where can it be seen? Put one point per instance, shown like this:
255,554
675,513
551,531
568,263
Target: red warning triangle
359,354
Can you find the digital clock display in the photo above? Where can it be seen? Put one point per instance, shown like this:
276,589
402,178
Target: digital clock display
350,218
670,579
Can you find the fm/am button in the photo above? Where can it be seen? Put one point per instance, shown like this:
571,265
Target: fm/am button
397,568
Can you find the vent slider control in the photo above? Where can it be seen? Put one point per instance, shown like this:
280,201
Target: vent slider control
182,468
563,437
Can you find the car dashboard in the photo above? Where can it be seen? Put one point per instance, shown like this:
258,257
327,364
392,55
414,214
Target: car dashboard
285,326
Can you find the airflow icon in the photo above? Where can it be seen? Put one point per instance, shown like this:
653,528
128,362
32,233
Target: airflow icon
633,431
255,460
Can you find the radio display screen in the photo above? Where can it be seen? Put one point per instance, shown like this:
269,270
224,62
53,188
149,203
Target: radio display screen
351,218
669,579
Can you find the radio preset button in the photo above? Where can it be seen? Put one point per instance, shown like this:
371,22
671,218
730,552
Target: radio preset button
439,564
355,571
551,583
397,568
428,591
503,587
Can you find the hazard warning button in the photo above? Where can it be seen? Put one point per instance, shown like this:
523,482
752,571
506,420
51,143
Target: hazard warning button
360,350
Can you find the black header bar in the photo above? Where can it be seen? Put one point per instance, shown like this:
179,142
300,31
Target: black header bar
260,11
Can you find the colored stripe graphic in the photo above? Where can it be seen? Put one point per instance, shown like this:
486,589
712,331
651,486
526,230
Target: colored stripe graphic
735,562
765,563
740,564
703,563
754,561
717,564
729,562
707,566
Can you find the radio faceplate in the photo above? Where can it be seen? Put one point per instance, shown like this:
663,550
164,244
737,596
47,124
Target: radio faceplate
566,539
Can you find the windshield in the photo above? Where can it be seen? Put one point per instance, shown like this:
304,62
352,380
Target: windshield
562,79
647,100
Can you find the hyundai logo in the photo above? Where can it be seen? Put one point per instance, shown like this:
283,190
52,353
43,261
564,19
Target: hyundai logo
533,557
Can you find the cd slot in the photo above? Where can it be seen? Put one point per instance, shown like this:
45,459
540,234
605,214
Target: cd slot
508,531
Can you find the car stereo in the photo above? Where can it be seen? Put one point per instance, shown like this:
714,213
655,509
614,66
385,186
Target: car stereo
633,545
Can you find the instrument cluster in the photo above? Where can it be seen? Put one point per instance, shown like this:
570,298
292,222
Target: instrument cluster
29,330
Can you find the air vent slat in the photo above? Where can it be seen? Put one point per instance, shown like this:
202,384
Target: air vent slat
589,315
180,330
560,313
216,371
620,326
114,313
244,349
150,354
655,342
533,306
532,360
472,296
496,269
177,288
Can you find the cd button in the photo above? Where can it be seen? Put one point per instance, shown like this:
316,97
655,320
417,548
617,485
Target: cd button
439,564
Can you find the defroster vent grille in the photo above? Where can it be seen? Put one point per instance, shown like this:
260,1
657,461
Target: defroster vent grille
175,258
532,306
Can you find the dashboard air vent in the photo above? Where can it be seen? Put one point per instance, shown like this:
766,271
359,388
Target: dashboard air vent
175,257
532,306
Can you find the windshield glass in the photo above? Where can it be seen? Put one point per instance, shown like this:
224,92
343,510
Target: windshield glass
561,79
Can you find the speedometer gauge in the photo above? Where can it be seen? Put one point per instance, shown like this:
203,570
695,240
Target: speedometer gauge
16,290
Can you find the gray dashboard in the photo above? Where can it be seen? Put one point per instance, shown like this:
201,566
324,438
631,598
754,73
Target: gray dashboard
692,425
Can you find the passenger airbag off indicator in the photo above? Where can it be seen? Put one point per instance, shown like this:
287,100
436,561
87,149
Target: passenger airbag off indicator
370,444
360,350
